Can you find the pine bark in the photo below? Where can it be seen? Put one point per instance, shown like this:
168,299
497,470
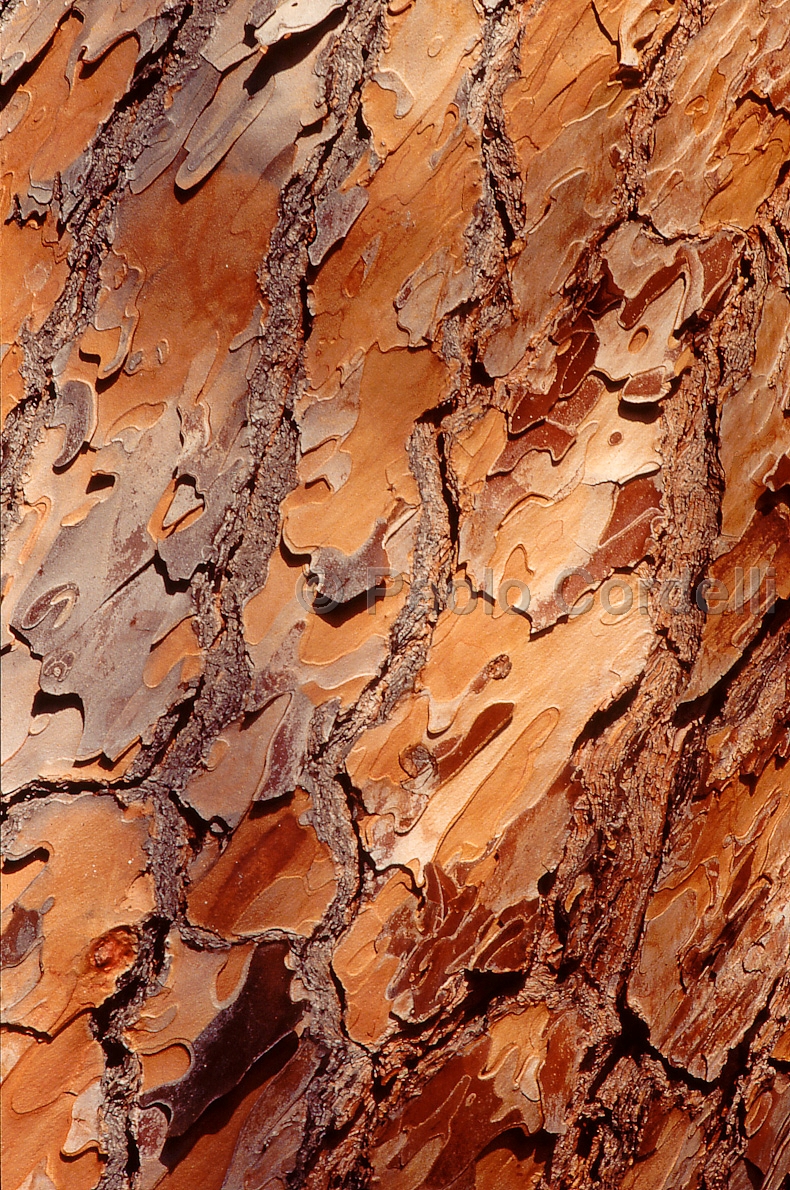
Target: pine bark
396,631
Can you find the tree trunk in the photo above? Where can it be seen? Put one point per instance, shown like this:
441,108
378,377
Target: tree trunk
395,620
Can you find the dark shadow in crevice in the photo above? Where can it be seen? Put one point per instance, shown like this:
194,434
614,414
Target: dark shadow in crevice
220,1113
289,52
50,704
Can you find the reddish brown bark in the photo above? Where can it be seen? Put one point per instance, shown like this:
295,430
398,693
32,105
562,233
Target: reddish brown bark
395,611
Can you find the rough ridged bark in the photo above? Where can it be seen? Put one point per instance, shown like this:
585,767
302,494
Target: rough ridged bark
395,604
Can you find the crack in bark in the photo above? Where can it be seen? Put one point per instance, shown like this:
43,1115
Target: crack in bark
114,145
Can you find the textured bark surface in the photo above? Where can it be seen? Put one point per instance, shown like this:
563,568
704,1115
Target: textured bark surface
395,599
